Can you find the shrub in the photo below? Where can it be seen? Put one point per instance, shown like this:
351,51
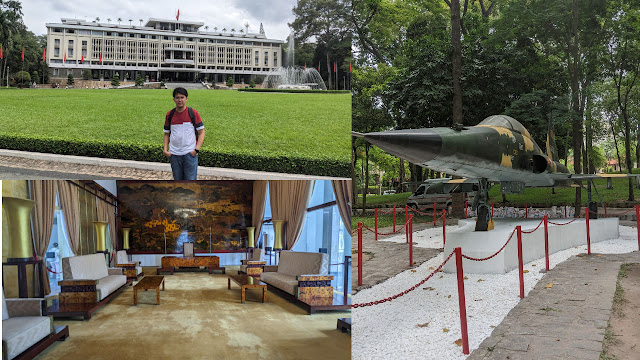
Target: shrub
230,81
70,80
117,149
22,77
115,81
252,84
35,76
139,80
86,74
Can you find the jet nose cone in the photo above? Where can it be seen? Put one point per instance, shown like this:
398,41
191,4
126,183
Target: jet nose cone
414,145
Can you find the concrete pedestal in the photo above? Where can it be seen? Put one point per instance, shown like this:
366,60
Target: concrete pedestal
481,244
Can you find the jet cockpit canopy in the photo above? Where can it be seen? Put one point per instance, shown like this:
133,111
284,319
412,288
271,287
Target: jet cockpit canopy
506,122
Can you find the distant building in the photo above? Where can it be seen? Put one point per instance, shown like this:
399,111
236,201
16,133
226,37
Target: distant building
161,49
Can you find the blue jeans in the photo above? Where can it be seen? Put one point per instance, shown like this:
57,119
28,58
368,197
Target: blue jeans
184,167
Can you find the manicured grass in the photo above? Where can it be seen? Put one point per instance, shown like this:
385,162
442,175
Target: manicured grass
387,220
309,126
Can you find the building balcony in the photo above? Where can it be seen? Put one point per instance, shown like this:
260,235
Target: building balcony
179,61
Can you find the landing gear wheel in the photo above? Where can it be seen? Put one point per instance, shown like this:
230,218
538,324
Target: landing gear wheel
483,218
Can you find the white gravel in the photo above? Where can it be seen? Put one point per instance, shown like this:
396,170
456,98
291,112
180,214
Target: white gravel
425,323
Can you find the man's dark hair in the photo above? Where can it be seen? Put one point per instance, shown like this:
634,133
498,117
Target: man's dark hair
181,91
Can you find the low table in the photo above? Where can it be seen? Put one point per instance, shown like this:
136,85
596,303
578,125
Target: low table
247,282
147,283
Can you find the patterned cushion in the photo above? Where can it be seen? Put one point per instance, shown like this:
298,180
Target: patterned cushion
303,263
20,333
91,267
109,284
281,281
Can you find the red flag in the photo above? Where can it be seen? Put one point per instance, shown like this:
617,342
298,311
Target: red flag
100,61
23,53
349,66
65,56
318,65
82,60
1,56
43,55
178,15
305,66
335,67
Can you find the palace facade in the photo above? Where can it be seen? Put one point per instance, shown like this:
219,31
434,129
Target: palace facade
162,49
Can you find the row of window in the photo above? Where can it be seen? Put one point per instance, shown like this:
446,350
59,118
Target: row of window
164,37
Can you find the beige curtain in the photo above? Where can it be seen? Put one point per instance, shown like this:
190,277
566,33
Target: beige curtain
258,205
70,205
342,190
106,212
289,201
43,192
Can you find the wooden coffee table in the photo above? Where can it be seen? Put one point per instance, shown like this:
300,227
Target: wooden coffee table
247,282
148,282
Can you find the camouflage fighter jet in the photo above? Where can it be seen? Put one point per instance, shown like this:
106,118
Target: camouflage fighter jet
497,150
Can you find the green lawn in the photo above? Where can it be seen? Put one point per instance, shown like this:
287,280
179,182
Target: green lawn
308,126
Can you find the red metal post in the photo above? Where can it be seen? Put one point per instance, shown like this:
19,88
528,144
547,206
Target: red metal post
588,235
359,254
520,262
434,214
444,228
394,218
376,222
465,209
565,209
410,240
546,241
605,209
491,209
638,223
461,302
526,211
406,220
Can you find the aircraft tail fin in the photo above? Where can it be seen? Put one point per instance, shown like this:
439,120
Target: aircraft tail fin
552,150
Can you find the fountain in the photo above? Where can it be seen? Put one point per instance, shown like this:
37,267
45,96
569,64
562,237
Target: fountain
293,77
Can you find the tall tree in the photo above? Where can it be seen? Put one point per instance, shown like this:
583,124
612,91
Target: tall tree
326,20
10,25
456,61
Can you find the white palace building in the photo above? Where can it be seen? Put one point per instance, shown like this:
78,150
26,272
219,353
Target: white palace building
162,49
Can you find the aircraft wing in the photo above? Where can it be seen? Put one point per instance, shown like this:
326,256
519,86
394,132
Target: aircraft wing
600,176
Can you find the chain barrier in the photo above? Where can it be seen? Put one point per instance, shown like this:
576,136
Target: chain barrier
420,212
489,257
567,223
424,222
354,231
379,233
387,212
51,271
406,291
622,213
529,232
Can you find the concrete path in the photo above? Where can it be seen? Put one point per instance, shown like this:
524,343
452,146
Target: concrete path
564,321
27,165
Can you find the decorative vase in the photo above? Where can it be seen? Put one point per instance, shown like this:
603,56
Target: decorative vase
18,213
101,235
125,238
279,236
251,233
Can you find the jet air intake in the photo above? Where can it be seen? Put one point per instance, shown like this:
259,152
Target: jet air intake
539,164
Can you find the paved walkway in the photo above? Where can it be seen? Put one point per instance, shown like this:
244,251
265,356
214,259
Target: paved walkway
53,166
383,259
564,321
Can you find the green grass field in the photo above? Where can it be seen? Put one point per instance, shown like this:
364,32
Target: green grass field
309,126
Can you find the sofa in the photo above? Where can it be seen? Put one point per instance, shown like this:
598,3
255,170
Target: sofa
296,270
25,330
86,279
132,269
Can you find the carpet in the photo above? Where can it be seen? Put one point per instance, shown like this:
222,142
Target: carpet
198,318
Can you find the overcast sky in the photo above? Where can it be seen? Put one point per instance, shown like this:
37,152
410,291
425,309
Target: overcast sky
230,14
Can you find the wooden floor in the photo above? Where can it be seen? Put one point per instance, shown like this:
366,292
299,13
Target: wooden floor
58,310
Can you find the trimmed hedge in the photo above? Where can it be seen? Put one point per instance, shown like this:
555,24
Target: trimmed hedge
116,149
297,91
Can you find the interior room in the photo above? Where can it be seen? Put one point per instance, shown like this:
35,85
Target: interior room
176,269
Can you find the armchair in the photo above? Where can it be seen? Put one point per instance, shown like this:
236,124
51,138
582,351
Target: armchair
25,330
253,267
132,269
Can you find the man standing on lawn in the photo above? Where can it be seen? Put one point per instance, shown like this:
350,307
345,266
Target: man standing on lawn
183,136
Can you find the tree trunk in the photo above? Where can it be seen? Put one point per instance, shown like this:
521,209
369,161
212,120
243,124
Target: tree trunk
402,179
627,149
615,140
366,178
354,183
456,60
329,70
638,148
574,73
